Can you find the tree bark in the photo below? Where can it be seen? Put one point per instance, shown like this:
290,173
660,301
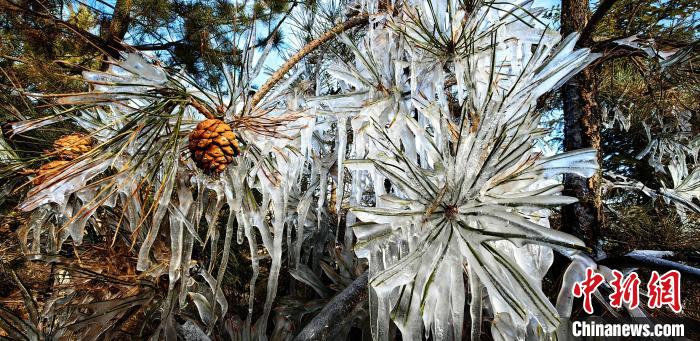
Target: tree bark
581,130
119,24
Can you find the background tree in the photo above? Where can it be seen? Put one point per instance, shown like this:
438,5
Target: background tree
635,106
68,35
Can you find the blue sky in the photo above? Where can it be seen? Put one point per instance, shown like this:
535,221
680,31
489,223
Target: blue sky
546,3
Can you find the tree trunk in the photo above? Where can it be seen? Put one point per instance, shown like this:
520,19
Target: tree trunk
118,26
581,130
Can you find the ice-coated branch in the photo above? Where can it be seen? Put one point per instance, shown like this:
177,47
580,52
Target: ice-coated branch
337,313
653,260
358,20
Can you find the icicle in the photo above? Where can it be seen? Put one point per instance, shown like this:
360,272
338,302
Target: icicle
21,127
302,211
253,249
188,245
219,297
185,199
289,184
137,65
35,224
175,249
574,273
307,133
475,304
323,188
380,314
231,200
342,145
276,251
164,193
355,200
212,218
378,183
58,189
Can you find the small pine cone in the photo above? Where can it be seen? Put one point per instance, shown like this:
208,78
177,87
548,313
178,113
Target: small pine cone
48,171
72,146
213,145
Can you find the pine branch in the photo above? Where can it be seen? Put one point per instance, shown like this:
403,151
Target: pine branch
109,48
359,20
336,312
182,42
585,38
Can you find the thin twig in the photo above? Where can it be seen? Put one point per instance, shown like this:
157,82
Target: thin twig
201,108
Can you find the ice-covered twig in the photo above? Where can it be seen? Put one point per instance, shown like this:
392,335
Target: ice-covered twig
337,312
669,194
654,260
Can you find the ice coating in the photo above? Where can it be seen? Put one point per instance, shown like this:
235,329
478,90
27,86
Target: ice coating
499,185
181,194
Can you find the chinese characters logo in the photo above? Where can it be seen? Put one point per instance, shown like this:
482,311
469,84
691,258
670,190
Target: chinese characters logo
663,290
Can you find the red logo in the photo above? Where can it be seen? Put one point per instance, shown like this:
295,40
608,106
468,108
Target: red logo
587,288
626,291
664,290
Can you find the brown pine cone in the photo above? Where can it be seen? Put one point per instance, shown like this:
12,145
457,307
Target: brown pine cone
48,171
72,146
213,145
